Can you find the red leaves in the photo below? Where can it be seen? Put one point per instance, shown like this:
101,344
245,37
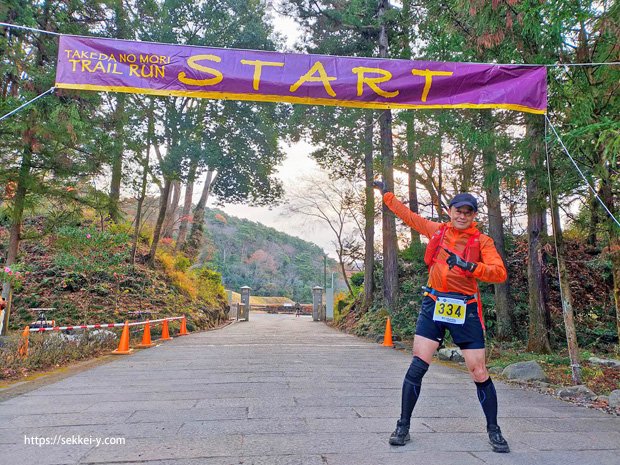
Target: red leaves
489,40
509,21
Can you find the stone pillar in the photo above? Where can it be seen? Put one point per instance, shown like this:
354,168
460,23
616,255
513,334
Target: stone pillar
317,303
329,297
244,308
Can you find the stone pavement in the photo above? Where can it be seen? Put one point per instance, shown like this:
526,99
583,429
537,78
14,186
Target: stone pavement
283,390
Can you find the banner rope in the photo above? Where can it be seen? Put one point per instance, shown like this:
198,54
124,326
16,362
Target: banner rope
15,26
547,65
50,90
581,172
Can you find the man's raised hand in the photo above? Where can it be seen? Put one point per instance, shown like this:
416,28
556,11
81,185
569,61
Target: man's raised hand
380,186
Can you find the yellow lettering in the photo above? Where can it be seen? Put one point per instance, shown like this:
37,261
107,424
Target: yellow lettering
99,66
127,58
73,64
373,81
217,76
68,52
112,57
86,66
322,77
133,70
144,58
428,74
258,67
114,70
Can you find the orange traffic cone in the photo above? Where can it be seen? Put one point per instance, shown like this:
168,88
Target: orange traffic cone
123,344
165,334
183,331
146,337
387,337
23,343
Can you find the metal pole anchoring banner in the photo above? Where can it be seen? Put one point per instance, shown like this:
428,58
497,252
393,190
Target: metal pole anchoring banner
181,70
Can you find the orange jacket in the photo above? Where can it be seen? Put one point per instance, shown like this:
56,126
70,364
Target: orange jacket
490,269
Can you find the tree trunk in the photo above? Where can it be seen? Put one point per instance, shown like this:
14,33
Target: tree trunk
194,242
390,247
171,211
187,206
439,182
343,270
594,220
15,232
411,171
565,291
369,212
538,340
120,19
163,205
145,173
614,242
409,121
117,159
503,302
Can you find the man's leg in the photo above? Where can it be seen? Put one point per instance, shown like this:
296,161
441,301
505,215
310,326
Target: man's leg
475,359
423,350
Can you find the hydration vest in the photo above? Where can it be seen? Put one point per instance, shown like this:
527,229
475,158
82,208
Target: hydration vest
472,254
472,248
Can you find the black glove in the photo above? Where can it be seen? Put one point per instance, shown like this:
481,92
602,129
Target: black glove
380,186
454,260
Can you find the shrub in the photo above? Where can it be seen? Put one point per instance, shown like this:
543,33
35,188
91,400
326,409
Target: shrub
357,279
181,263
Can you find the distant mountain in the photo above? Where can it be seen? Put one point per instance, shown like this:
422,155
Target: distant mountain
271,262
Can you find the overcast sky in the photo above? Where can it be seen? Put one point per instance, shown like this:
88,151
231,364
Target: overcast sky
296,165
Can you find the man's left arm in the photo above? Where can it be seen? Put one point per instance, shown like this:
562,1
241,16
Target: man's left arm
490,268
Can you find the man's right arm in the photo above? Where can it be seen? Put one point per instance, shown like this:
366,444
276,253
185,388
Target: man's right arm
413,220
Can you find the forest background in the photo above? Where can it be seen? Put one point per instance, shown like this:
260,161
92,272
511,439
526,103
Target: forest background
72,158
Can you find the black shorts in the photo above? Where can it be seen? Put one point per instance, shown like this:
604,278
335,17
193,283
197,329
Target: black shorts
469,335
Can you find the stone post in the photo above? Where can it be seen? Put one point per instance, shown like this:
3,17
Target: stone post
317,303
244,308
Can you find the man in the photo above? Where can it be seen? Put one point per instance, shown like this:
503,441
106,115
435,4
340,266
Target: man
457,256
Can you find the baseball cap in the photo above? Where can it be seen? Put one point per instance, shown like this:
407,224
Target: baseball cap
464,199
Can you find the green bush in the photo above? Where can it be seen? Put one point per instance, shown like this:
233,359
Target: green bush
357,279
181,263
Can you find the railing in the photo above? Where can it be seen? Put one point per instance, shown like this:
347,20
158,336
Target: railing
123,345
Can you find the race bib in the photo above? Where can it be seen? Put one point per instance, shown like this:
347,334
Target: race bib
450,310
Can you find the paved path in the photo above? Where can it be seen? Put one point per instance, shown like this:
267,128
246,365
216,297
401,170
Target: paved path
283,390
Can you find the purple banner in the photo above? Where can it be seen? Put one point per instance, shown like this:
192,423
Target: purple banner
182,70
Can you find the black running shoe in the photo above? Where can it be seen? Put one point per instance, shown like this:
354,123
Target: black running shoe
497,440
400,435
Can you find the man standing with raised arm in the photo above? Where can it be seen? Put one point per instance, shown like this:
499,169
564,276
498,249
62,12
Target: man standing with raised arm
457,256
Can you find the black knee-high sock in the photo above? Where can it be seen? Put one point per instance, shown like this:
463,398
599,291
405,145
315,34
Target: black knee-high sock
488,400
411,388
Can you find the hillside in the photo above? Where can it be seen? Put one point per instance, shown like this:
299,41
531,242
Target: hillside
81,293
271,262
